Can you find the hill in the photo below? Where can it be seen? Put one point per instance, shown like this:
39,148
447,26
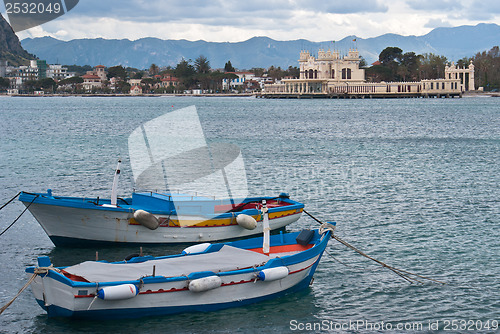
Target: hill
10,47
454,43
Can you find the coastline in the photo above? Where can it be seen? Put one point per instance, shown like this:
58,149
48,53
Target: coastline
465,94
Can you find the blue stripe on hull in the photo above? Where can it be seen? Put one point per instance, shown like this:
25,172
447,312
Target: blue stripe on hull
56,311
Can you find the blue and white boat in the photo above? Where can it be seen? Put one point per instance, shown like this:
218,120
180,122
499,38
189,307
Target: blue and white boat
204,277
156,218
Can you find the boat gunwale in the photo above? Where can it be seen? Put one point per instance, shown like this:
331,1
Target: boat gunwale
89,203
318,242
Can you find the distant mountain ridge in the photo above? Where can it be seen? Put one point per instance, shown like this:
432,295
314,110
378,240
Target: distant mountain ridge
454,43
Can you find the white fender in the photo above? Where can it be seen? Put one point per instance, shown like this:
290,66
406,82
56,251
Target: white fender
272,274
117,292
246,221
205,284
146,219
196,248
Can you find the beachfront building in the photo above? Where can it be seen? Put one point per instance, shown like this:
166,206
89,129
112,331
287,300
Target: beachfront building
330,75
239,82
465,74
94,79
58,72
136,90
169,80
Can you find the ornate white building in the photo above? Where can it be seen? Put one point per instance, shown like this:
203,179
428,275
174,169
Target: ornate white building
329,75
454,72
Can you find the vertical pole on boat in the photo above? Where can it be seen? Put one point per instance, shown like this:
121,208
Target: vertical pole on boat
266,229
114,189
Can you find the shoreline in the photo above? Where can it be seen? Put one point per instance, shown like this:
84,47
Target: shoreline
128,95
466,94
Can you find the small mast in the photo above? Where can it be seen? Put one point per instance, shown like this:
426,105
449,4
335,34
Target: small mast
114,188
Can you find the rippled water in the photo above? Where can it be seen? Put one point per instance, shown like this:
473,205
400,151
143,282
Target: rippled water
414,183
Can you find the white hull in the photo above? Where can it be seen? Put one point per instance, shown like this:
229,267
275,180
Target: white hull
183,282
174,297
66,225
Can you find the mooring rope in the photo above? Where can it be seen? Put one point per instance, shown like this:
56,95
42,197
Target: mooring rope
13,198
18,294
15,220
37,271
406,275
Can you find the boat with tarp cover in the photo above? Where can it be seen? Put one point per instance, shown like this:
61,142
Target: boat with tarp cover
204,277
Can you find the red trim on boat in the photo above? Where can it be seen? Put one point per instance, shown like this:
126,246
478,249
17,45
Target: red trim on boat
148,292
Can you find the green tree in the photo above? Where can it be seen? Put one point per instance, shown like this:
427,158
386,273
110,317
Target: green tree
292,71
487,69
432,66
138,75
258,71
390,55
409,63
47,84
184,69
154,69
79,70
117,72
228,67
4,83
122,87
201,64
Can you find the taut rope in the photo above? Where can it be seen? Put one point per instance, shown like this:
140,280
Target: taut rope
406,275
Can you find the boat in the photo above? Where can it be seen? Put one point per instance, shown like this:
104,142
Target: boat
204,277
156,218
190,192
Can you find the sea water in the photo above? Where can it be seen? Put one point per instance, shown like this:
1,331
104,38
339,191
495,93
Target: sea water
412,182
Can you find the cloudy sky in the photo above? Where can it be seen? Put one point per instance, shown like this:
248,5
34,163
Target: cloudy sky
238,20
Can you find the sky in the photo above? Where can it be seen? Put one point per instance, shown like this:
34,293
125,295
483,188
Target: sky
239,20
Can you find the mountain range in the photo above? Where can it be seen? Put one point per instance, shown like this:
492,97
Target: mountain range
453,43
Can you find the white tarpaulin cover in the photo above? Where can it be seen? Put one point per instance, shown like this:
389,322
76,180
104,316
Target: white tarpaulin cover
226,259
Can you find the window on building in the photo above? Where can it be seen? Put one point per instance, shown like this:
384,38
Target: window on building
348,73
333,74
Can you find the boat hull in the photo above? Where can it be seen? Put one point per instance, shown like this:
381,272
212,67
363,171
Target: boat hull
64,298
81,226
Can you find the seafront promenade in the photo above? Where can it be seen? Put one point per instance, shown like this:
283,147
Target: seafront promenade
260,95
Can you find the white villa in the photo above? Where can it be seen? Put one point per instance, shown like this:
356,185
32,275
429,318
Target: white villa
329,75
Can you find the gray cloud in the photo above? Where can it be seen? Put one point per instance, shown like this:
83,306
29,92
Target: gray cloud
435,5
480,10
217,11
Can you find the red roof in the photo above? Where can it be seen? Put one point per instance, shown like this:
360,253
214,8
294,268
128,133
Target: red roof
170,79
90,76
100,66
